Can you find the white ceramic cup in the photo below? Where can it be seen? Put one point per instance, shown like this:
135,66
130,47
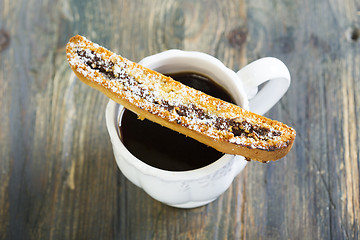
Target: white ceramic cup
194,188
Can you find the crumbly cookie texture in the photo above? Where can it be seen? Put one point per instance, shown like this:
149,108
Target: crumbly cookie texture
219,124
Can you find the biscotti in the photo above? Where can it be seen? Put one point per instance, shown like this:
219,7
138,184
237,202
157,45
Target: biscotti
216,123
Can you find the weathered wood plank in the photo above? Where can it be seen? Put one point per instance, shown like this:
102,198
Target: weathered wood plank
316,56
58,176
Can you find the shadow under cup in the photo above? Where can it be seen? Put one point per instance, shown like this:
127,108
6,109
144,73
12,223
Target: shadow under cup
166,149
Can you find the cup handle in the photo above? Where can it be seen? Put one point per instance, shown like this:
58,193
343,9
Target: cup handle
258,72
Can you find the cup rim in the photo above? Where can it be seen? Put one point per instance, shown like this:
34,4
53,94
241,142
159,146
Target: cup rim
113,110
158,59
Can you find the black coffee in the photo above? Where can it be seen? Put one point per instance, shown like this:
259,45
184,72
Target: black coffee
164,148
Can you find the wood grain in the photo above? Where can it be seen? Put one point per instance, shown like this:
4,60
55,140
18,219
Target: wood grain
58,177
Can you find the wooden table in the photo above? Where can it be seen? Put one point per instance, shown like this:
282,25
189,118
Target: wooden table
58,176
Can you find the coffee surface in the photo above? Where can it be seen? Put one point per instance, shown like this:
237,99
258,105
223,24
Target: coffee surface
166,149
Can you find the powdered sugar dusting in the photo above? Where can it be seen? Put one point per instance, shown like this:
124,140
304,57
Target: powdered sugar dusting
168,99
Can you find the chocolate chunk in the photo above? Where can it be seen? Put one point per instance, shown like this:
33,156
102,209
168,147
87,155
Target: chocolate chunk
182,111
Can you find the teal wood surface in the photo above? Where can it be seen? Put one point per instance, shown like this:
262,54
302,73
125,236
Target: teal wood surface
58,176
